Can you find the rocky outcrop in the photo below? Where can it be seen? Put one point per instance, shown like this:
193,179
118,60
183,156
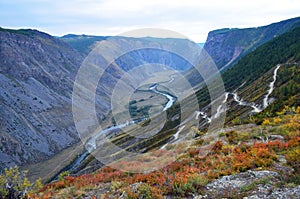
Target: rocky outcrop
227,46
250,184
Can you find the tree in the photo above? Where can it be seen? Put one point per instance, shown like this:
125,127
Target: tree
14,184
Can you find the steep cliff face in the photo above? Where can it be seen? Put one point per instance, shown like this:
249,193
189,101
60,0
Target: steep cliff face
227,46
36,81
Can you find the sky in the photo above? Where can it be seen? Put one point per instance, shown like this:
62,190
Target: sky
192,18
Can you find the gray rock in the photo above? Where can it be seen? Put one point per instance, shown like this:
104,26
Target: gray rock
250,185
276,137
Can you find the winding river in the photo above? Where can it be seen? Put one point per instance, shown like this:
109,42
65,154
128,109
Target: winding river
91,144
170,98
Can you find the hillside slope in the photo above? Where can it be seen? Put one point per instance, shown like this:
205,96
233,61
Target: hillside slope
227,46
260,161
248,82
36,80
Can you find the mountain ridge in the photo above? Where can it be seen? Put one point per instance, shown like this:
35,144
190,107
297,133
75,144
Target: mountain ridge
226,46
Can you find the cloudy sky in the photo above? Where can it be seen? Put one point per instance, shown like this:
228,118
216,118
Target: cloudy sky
192,18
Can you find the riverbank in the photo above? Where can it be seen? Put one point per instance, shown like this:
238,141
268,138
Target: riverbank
91,144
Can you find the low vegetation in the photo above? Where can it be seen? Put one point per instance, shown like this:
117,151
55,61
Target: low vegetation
14,184
237,150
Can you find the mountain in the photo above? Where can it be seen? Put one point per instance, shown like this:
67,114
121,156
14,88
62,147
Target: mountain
249,82
37,77
276,61
227,46
82,43
36,74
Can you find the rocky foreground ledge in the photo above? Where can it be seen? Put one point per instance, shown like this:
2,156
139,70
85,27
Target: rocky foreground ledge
251,185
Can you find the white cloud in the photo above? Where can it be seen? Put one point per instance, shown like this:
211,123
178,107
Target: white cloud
193,18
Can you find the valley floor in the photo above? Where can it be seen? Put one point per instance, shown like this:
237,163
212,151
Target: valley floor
49,168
